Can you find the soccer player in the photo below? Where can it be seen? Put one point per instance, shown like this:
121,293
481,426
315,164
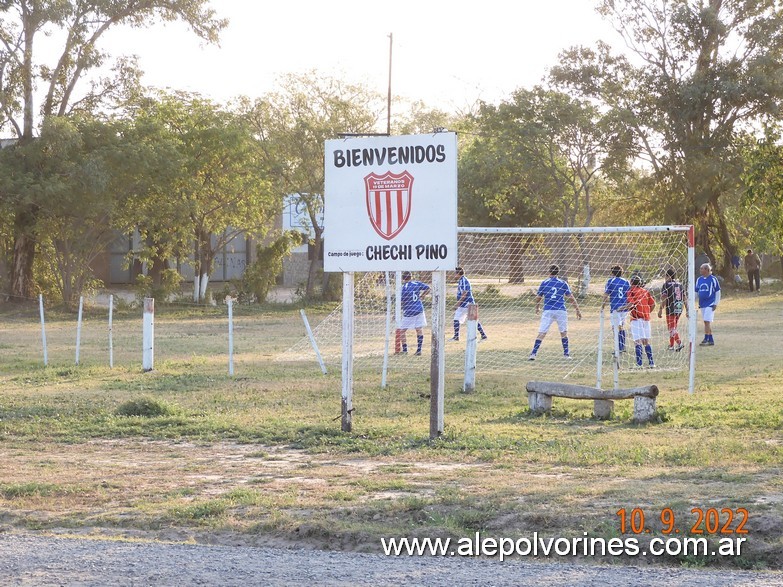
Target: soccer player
615,293
412,310
708,290
554,291
640,303
464,297
673,298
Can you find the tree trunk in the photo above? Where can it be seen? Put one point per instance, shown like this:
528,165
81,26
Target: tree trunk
315,264
518,245
22,286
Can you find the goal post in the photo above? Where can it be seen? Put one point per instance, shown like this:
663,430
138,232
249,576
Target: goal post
505,266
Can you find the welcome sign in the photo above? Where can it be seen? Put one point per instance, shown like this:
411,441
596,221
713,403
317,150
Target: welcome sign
390,203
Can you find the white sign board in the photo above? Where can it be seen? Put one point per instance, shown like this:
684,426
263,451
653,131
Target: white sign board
390,203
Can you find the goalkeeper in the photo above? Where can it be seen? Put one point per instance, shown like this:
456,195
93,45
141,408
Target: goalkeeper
640,303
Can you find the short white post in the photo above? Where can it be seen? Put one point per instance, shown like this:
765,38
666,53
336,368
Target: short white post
79,328
230,303
313,343
43,330
111,338
469,386
148,335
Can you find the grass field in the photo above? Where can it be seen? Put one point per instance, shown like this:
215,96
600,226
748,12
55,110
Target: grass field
186,452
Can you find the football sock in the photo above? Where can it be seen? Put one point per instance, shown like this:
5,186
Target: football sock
565,344
404,348
536,346
621,339
456,328
639,354
480,329
648,351
419,342
709,338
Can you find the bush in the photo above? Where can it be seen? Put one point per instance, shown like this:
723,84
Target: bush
261,274
145,407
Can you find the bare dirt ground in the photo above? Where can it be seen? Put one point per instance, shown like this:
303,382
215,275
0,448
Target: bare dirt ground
118,523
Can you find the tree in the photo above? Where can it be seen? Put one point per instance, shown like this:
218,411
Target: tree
536,160
213,187
74,167
292,125
702,71
81,24
762,201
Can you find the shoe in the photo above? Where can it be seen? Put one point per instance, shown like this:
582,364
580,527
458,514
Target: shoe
711,343
417,353
679,347
455,338
622,350
671,348
485,337
532,357
704,343
567,356
651,366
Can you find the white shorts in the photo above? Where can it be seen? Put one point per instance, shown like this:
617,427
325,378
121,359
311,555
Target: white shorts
617,318
549,316
640,329
461,314
417,321
707,313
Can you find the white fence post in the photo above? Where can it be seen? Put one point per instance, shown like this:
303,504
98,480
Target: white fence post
230,303
111,338
148,335
348,328
43,330
79,329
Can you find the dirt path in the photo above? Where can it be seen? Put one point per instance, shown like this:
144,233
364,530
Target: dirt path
42,561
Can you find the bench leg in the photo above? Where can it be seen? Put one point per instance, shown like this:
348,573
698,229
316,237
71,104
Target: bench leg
602,408
539,403
644,409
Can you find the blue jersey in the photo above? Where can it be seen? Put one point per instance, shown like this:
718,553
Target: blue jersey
617,288
554,291
463,287
706,288
410,297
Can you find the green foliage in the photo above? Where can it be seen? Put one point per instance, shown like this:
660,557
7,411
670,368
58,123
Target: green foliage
170,284
261,274
704,72
145,407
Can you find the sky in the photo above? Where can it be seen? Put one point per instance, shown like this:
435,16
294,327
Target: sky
446,54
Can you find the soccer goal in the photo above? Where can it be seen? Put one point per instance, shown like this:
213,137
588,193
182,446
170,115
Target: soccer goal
505,267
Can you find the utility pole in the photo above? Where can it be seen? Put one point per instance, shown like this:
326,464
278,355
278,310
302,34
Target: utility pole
388,99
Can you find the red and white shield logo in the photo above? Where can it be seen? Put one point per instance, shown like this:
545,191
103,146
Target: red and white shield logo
389,202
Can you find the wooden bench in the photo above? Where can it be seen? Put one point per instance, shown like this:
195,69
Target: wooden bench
540,394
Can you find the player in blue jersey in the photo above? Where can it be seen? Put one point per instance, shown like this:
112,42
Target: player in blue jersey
708,292
412,310
553,292
464,297
615,293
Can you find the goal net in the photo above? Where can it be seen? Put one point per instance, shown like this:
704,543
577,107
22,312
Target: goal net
505,268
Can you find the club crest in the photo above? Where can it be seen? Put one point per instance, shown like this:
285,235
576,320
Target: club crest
389,202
